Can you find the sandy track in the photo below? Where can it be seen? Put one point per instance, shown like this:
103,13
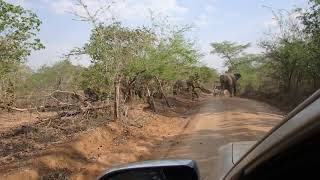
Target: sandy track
217,122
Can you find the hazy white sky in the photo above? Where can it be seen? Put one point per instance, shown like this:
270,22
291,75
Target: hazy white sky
214,20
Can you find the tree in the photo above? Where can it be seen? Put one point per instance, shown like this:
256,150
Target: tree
288,52
60,76
140,60
311,20
114,49
18,31
230,52
250,77
207,75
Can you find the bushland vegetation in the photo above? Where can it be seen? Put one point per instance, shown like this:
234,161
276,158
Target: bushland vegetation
127,65
287,70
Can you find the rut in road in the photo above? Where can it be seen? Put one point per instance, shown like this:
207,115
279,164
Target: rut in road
218,122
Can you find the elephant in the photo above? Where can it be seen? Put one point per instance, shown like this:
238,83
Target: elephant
229,82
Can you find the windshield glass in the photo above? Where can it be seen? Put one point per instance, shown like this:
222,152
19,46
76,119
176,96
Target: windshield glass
86,85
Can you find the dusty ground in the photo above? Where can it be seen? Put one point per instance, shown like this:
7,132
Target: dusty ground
218,122
196,134
11,120
71,153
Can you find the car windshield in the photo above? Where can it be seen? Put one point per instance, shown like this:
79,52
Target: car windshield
91,84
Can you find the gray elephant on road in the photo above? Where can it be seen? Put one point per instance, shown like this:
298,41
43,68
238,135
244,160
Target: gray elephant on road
229,82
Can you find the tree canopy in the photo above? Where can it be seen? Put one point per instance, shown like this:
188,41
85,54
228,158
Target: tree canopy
18,35
229,51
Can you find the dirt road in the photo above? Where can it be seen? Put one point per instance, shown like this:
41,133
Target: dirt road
219,121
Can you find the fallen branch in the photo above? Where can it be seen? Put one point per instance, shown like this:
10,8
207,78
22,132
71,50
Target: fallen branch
205,90
17,109
76,112
69,113
95,107
59,102
72,94
39,108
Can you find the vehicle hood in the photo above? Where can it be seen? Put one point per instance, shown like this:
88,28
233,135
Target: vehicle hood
230,154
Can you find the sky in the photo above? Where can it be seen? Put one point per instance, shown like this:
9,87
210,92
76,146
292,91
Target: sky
240,21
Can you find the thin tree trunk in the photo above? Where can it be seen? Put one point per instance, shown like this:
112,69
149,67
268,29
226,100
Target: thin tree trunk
314,82
289,83
116,98
151,101
161,90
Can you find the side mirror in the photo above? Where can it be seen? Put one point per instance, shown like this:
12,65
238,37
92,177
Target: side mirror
154,170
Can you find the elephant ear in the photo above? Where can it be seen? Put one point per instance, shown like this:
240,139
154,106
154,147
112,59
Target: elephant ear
237,76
